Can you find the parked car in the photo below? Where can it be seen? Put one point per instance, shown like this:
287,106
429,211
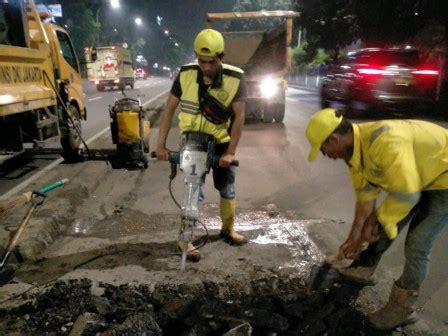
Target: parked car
140,74
390,79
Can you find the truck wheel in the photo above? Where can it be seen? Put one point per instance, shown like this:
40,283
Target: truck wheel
279,113
70,139
268,114
100,87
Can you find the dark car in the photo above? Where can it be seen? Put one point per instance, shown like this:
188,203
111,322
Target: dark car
381,80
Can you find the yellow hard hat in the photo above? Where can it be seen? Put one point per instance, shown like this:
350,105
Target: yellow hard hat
209,43
321,125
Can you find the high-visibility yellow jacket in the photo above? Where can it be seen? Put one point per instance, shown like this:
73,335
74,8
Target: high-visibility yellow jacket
401,157
224,89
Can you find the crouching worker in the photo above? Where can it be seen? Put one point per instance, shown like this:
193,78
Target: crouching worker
211,97
408,159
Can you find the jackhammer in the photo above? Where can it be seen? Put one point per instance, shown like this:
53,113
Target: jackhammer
195,157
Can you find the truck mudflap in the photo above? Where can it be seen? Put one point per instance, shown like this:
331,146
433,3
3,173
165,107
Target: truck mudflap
25,97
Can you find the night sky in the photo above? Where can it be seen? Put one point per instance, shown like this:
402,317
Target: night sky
183,18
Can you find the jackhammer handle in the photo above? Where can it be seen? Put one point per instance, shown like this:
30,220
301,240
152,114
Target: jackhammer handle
173,157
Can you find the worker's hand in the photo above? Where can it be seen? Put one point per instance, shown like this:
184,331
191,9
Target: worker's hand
352,247
371,229
226,160
163,153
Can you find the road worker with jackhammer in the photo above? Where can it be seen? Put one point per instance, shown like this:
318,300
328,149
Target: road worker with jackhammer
211,96
408,159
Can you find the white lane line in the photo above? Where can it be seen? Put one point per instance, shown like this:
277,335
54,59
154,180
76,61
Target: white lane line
28,181
96,98
156,97
56,162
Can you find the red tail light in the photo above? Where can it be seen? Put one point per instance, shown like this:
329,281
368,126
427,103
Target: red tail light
426,72
371,71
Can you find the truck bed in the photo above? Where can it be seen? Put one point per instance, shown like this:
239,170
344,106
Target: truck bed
257,52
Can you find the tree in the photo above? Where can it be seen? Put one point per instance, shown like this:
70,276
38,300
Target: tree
329,24
81,22
253,6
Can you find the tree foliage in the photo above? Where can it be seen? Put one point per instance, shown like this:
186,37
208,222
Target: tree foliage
80,19
334,24
257,5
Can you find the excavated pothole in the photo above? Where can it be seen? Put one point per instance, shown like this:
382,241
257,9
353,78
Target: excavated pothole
274,304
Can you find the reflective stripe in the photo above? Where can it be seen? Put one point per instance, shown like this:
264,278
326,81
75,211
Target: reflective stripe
189,103
189,110
376,133
412,198
189,107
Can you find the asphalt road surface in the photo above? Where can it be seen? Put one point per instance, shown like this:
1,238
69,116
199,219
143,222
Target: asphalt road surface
273,173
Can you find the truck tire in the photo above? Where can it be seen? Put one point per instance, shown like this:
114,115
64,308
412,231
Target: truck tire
279,108
268,114
100,87
70,139
279,113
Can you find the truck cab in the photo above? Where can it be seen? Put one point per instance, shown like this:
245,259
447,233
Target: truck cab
41,97
66,65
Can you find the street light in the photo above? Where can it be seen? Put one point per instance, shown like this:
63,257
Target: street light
138,21
115,3
167,32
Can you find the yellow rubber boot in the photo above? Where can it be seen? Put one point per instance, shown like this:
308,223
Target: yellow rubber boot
227,212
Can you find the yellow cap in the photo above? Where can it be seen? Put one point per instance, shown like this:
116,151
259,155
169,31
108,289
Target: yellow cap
209,43
319,128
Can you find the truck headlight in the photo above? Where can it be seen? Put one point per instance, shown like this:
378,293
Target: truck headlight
268,87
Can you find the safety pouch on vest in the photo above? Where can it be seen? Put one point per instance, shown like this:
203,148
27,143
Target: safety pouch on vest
214,111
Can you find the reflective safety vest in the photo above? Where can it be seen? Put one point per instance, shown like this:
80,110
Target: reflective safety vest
224,89
401,157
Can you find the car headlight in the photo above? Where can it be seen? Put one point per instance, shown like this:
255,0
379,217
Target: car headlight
268,87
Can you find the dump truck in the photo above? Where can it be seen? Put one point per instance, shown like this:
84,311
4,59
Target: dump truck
41,95
109,66
265,57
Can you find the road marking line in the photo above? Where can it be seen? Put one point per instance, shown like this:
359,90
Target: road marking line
92,99
156,97
56,162
28,181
